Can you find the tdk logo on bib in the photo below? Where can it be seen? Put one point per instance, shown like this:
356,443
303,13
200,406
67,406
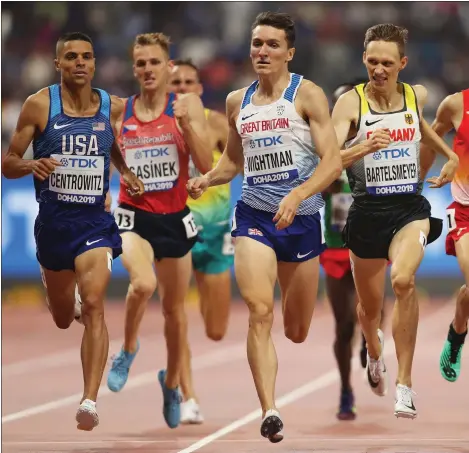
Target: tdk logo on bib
398,153
153,152
77,162
265,142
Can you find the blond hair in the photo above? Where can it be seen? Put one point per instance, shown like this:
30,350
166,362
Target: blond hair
148,39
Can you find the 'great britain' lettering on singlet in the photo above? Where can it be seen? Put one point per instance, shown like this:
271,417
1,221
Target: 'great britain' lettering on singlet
82,145
278,151
396,169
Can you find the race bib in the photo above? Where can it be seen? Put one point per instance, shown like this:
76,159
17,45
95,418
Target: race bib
392,171
451,217
125,218
269,159
190,226
80,179
228,246
156,166
340,205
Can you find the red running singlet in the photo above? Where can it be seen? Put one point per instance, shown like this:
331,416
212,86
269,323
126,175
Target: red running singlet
156,152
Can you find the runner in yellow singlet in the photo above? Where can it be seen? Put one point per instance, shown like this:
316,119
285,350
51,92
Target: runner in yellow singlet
212,258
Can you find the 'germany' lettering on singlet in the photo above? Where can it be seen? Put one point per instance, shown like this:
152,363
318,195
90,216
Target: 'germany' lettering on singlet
395,169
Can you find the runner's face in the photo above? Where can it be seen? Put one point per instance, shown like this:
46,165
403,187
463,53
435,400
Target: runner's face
383,64
269,49
76,62
184,79
152,67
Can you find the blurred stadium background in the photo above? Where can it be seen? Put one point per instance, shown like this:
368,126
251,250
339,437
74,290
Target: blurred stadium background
216,36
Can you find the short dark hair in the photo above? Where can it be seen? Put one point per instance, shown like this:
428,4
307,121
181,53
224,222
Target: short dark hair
72,36
388,33
187,62
281,21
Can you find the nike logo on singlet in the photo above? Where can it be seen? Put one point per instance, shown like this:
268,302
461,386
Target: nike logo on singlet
56,126
370,123
248,116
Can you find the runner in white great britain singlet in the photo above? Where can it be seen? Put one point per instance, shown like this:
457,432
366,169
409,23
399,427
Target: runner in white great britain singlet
279,154
394,170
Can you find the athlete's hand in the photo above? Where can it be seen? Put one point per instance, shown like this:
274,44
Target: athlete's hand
379,139
287,210
135,187
108,201
42,168
446,174
197,186
180,112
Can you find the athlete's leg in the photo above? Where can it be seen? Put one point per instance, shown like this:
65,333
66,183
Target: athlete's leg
406,252
93,271
299,286
137,258
369,278
60,292
256,280
341,294
215,299
450,358
174,276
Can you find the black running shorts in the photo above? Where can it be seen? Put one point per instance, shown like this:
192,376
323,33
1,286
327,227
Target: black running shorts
170,235
370,227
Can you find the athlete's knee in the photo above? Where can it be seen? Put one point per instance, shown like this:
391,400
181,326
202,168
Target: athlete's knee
402,282
215,332
64,317
261,312
296,333
370,310
92,307
143,288
63,321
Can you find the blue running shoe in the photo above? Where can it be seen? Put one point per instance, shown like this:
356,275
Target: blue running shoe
171,402
347,409
119,372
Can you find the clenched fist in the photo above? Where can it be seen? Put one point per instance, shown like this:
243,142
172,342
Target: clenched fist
379,139
197,186
180,110
42,168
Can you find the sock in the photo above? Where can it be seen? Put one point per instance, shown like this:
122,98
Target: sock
454,337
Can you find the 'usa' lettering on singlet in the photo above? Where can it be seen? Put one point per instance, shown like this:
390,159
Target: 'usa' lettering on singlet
80,178
270,159
156,166
392,171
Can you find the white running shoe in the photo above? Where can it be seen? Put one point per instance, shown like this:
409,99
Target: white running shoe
376,372
87,416
190,413
272,426
404,406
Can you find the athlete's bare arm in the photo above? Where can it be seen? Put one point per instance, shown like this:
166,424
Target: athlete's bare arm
232,159
313,104
219,127
344,117
448,117
433,141
31,122
189,111
136,186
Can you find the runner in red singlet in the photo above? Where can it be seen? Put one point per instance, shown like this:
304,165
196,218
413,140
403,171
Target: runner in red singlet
159,132
453,113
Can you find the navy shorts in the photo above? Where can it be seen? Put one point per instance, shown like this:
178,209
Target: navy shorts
301,241
59,243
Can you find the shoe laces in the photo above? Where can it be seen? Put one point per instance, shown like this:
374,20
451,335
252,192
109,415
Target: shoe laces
405,394
119,363
455,351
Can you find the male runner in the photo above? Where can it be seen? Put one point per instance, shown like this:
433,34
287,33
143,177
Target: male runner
72,126
381,124
273,125
159,131
453,113
212,258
